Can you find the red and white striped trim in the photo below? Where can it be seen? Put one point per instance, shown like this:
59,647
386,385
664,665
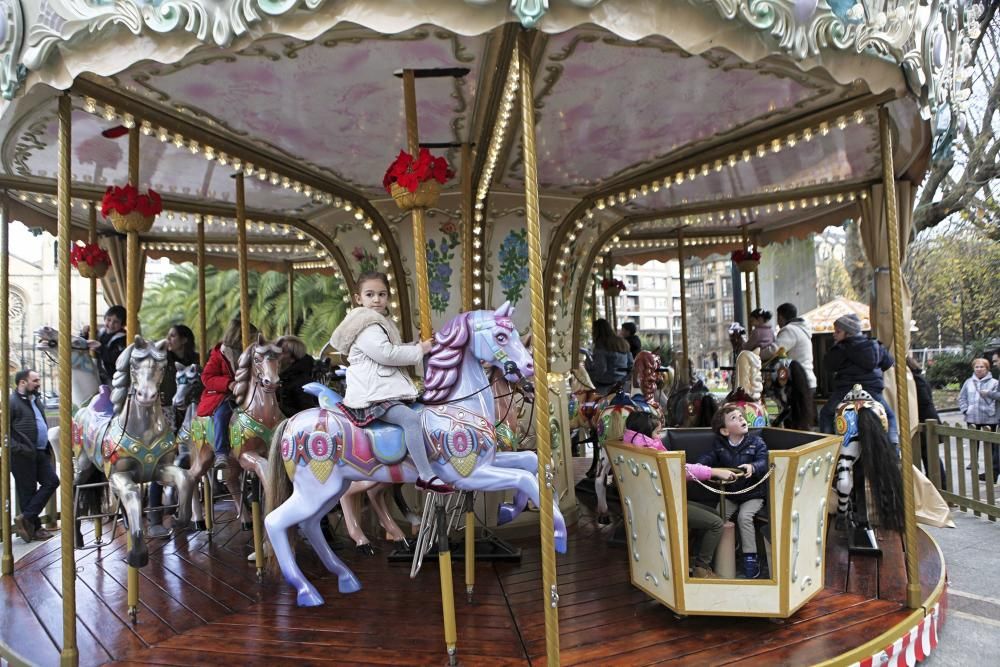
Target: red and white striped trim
912,647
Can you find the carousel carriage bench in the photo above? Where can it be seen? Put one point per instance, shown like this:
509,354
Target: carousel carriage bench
654,497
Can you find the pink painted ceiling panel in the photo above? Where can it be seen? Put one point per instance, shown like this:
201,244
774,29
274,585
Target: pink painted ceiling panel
333,103
606,105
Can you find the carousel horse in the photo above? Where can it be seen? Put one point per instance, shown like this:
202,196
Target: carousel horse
252,424
86,376
691,406
185,401
861,422
132,443
323,452
785,380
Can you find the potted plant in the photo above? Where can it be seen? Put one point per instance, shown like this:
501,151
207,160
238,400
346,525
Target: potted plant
90,260
746,260
612,287
416,182
129,210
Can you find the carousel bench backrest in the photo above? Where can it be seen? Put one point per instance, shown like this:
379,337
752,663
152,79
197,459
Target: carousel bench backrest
698,441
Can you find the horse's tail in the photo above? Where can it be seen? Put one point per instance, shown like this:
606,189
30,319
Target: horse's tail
800,400
281,488
709,406
403,506
881,468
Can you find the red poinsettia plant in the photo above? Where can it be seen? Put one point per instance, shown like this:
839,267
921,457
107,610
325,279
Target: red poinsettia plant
612,285
124,200
746,255
409,173
90,254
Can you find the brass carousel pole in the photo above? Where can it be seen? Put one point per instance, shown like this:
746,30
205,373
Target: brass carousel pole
291,297
419,236
92,238
8,555
899,350
241,249
756,275
426,331
539,351
206,484
132,321
467,264
682,370
70,655
745,275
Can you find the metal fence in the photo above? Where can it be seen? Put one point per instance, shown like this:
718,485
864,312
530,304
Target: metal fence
965,472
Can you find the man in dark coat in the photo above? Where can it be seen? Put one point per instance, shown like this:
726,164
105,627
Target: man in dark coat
630,333
925,411
296,372
856,359
31,456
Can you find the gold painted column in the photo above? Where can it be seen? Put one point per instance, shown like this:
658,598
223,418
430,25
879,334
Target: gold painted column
539,351
132,286
468,189
7,567
899,351
70,655
419,235
746,275
203,345
756,275
92,238
682,365
291,298
241,251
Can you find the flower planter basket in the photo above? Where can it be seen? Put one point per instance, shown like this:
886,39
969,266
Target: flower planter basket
131,222
96,271
426,195
612,292
748,265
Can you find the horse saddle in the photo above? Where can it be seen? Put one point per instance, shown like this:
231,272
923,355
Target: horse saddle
385,440
101,404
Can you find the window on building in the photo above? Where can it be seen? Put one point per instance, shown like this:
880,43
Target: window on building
677,322
727,311
677,303
631,282
727,286
648,323
632,302
661,283
710,290
649,303
661,303
661,323
711,315
648,282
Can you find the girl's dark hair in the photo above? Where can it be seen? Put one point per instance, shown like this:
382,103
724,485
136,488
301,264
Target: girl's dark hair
370,275
606,338
187,355
761,313
719,418
642,422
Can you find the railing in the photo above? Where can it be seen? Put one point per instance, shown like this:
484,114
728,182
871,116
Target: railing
949,450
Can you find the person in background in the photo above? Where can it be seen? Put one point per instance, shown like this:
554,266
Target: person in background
630,333
925,411
796,337
856,359
611,362
113,339
296,372
31,456
761,334
978,402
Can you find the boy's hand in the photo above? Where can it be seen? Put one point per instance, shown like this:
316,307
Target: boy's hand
747,468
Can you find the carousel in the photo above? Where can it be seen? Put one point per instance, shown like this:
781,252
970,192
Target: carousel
495,160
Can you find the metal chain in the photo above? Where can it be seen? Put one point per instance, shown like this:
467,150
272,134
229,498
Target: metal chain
753,486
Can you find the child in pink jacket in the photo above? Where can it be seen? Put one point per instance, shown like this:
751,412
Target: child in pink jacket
641,430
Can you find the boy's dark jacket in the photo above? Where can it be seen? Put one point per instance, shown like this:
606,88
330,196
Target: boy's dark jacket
858,360
752,450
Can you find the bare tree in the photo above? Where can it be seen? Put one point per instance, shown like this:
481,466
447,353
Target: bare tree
966,179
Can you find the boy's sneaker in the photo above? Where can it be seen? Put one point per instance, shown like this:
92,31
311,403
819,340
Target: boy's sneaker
751,566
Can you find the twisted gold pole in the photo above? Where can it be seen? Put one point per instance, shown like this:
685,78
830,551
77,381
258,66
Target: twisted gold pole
92,238
899,350
419,235
682,365
467,222
7,567
746,275
241,246
132,286
291,298
202,306
70,655
539,351
756,276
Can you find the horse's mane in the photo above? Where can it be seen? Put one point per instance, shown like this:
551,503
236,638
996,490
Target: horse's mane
446,358
122,381
802,408
244,367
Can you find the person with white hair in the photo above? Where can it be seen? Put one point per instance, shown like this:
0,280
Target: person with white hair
856,359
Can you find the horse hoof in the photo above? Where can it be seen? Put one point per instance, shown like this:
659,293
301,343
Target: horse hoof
199,525
560,543
348,584
365,549
309,598
157,531
604,520
506,513
247,526
138,558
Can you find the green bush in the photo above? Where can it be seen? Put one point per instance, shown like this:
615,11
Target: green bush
948,368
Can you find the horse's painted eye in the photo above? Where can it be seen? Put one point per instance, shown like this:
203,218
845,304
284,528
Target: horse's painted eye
502,338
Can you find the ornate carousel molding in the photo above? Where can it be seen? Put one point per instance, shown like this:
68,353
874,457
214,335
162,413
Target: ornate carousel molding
12,72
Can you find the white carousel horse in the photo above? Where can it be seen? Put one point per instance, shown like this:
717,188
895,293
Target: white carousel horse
862,423
86,376
132,443
323,452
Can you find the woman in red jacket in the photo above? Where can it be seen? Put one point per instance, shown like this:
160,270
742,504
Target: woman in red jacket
218,377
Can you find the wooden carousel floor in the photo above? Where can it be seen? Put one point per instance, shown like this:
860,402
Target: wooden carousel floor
201,605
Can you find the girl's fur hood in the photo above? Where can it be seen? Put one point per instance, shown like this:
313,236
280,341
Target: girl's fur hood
357,320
